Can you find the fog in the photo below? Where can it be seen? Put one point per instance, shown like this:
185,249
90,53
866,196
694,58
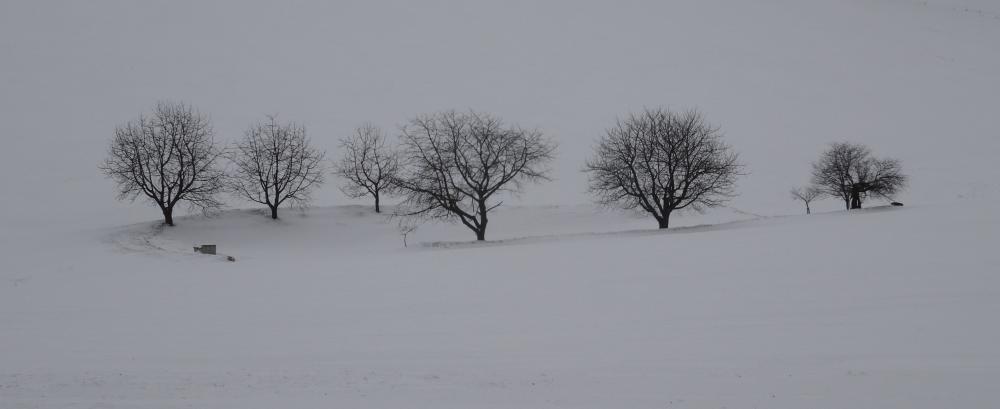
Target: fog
914,80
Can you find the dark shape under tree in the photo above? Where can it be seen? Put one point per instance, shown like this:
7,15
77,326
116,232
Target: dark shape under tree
368,165
275,164
850,172
662,161
168,157
455,165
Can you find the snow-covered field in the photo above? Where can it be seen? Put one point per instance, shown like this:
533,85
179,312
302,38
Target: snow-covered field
566,306
888,307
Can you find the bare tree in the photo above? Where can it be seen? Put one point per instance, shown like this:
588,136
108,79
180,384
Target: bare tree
849,171
405,227
807,195
455,164
368,164
661,161
168,157
275,164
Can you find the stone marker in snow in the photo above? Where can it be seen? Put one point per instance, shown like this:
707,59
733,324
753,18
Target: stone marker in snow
205,249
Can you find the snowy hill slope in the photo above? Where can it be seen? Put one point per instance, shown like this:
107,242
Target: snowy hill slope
887,307
350,229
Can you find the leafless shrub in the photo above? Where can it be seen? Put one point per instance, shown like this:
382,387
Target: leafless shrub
405,226
807,195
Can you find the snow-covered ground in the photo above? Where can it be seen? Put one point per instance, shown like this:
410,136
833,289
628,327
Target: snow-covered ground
567,306
887,307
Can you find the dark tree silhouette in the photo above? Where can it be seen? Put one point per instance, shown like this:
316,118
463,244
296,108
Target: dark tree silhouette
275,164
368,165
168,157
807,195
850,172
455,164
661,161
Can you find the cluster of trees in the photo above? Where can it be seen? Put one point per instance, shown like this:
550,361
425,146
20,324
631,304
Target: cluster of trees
171,156
850,172
456,165
449,165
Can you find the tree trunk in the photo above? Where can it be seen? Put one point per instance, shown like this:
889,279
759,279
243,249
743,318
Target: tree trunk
664,221
377,208
483,220
808,211
274,212
168,215
855,200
